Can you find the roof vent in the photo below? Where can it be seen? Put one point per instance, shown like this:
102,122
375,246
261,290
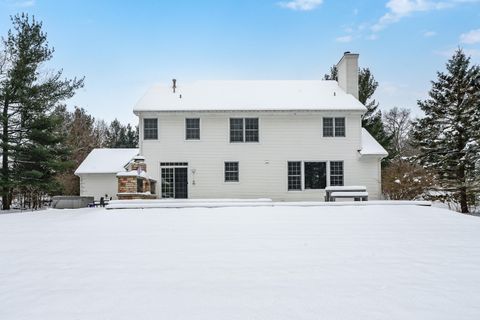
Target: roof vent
174,86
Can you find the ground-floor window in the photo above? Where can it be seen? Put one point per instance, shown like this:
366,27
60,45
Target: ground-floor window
336,173
231,171
294,175
315,174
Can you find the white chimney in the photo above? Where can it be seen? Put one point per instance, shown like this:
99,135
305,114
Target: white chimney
347,73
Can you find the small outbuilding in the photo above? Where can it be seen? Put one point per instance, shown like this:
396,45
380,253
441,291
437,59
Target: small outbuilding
98,172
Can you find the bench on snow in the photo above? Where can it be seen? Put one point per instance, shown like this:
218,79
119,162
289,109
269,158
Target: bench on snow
358,193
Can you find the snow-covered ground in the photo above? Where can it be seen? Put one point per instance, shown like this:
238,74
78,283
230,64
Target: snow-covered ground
378,262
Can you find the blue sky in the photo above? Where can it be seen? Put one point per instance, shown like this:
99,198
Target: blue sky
123,47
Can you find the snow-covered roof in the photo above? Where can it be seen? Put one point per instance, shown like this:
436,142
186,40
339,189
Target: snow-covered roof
135,173
240,95
370,146
106,161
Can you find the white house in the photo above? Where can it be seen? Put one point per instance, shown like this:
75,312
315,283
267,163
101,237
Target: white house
285,140
98,172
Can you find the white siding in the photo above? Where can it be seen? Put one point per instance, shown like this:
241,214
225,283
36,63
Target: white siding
284,136
98,185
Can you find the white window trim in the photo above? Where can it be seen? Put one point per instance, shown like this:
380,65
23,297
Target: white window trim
225,175
185,129
334,125
302,169
244,130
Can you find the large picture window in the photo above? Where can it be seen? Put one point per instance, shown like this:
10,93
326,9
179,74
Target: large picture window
244,130
192,129
334,127
231,172
315,175
294,175
336,173
150,129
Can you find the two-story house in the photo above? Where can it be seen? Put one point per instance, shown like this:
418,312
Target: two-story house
284,140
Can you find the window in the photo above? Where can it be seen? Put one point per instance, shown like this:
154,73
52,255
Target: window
294,175
251,129
336,173
150,129
339,127
334,127
328,127
315,175
243,129
192,129
231,172
236,130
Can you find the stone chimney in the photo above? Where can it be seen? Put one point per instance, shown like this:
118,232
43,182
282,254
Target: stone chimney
138,162
347,69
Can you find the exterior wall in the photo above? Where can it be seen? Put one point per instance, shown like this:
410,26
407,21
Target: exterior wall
98,184
284,136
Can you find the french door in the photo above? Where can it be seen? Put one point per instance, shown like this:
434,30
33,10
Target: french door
174,180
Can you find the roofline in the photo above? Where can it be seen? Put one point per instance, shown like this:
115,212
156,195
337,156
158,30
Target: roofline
137,111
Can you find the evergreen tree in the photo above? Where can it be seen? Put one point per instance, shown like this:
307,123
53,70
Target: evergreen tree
120,136
26,97
40,157
372,119
449,134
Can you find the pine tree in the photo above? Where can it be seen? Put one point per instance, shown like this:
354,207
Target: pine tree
40,157
372,119
26,97
120,136
448,136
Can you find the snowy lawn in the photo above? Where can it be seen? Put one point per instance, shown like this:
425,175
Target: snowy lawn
379,262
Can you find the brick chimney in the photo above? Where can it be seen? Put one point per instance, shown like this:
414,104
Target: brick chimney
347,69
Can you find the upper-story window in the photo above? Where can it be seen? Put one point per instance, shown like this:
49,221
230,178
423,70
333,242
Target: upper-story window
192,129
243,129
334,127
150,129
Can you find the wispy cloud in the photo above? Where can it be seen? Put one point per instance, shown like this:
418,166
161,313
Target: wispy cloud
398,9
428,34
347,38
471,37
301,5
20,3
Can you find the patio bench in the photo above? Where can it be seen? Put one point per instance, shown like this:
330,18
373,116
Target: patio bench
356,195
347,189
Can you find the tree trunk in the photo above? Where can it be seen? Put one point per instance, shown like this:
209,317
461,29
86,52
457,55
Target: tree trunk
463,190
5,155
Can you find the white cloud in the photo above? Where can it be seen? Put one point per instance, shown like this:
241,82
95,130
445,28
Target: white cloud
372,37
301,5
428,34
347,38
398,9
21,4
471,37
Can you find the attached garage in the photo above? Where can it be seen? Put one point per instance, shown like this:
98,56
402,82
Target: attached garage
98,172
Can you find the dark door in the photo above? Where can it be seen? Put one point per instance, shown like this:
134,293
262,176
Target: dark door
181,183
